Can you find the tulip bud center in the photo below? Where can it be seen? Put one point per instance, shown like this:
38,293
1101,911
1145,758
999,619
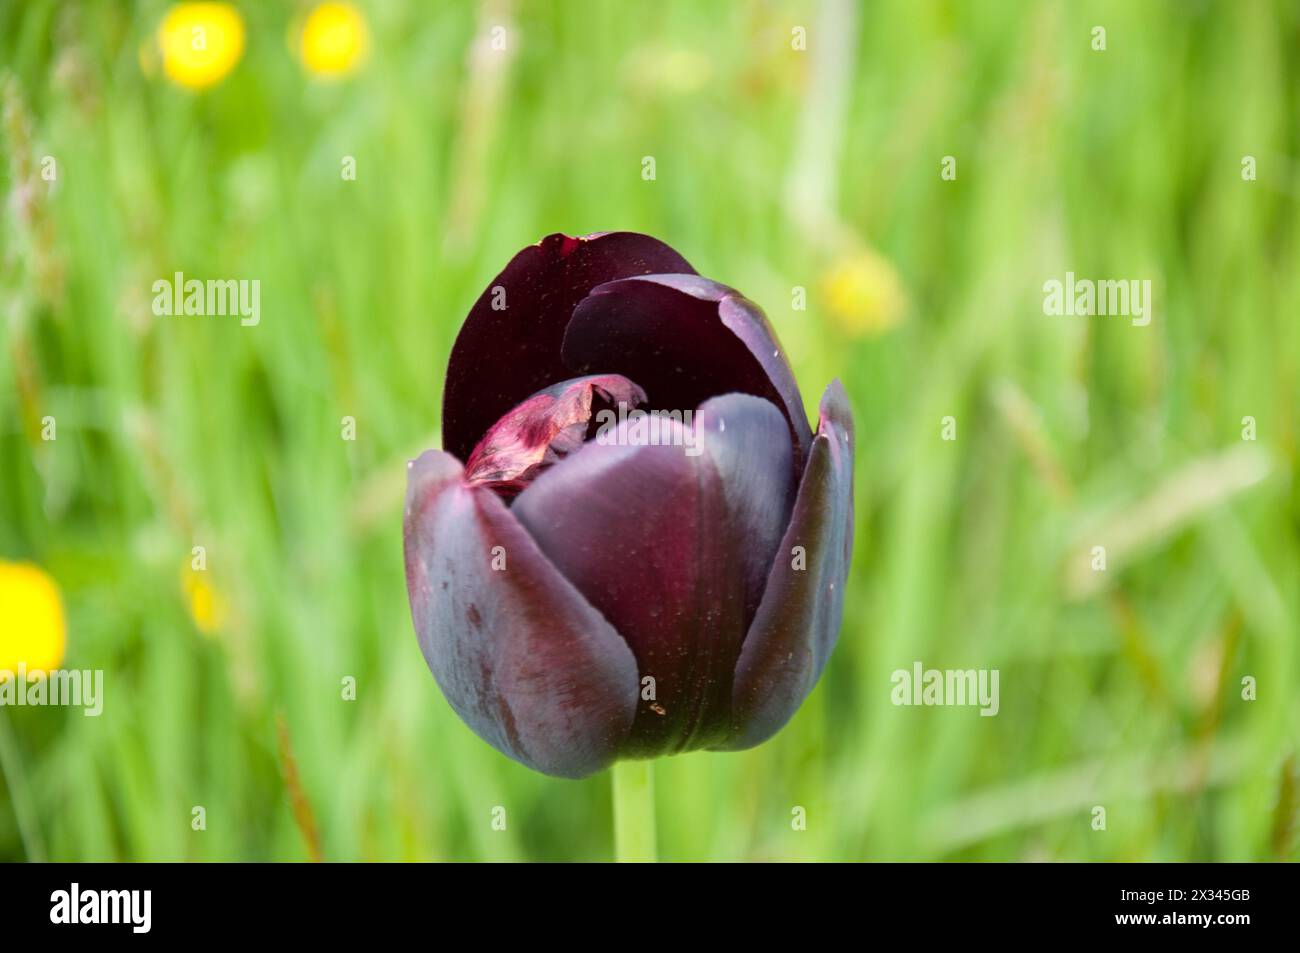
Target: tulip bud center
543,430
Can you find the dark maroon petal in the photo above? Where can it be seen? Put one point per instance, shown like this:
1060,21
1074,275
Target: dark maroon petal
684,339
658,539
545,428
798,620
521,656
503,356
746,439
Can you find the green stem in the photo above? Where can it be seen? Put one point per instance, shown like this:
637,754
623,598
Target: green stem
634,812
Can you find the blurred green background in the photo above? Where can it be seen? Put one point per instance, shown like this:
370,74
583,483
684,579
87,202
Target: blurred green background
776,169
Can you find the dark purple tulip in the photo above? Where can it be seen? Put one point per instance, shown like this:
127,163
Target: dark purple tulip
587,590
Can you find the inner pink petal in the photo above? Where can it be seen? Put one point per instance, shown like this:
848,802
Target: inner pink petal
543,430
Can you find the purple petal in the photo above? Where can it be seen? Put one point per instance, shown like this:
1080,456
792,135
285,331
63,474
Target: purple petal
503,356
746,440
798,620
658,541
684,339
524,660
542,430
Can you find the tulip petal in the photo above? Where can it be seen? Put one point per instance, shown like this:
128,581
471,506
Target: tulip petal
520,655
746,439
509,346
685,339
657,540
542,430
798,620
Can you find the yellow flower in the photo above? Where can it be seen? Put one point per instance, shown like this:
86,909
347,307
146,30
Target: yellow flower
334,39
32,629
863,293
207,608
200,42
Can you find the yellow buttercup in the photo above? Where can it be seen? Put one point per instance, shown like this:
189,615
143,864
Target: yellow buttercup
207,607
863,293
334,39
32,628
200,43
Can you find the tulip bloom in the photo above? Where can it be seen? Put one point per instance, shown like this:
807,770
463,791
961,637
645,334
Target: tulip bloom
587,588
